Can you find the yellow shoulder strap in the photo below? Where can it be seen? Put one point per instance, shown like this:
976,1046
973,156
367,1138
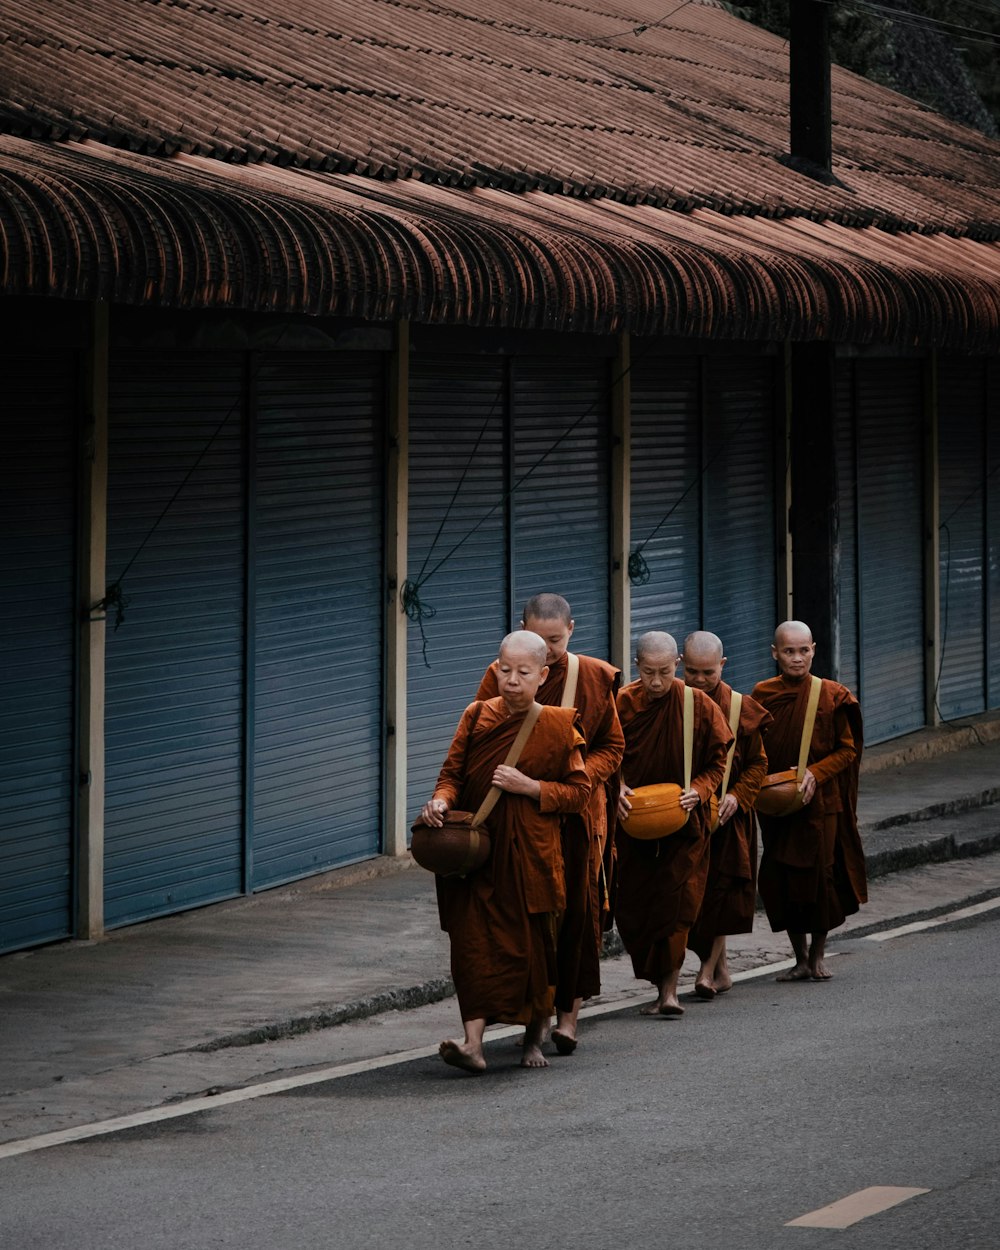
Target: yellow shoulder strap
808,725
513,755
734,721
572,677
688,735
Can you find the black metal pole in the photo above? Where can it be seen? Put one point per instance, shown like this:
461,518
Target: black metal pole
809,82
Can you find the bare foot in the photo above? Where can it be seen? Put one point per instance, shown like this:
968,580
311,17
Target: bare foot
669,1008
564,1040
723,982
462,1055
818,971
705,990
801,972
533,1057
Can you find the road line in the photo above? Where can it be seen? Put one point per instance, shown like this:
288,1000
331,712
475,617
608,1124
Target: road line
856,1207
918,926
229,1097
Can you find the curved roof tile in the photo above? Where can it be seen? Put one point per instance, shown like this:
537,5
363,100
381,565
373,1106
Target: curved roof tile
86,221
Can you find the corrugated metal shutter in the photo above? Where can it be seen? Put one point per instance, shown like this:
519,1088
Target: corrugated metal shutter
37,643
666,475
740,593
961,460
561,525
317,535
847,504
455,404
175,667
890,518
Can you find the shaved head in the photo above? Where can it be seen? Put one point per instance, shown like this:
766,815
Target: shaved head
655,643
704,660
703,645
523,642
547,607
793,649
792,629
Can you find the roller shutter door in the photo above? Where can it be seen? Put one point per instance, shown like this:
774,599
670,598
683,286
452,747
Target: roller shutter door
666,478
37,642
890,513
317,538
174,727
962,504
847,506
456,427
740,593
561,533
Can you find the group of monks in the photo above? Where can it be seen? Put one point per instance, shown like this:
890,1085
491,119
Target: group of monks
526,928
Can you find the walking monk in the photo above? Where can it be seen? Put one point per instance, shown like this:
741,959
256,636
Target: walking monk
501,919
586,845
812,875
662,882
731,892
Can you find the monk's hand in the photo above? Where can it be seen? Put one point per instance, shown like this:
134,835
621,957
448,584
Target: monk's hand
515,782
808,787
727,808
689,800
624,806
433,812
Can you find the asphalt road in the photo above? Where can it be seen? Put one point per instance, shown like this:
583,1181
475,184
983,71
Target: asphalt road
709,1132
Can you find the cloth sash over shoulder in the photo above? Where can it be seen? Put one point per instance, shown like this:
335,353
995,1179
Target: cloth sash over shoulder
779,793
462,843
656,809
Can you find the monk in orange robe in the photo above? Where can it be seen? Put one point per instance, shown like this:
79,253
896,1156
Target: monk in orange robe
812,874
586,847
502,918
731,891
662,882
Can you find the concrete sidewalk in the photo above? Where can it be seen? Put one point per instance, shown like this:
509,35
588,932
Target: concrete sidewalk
366,940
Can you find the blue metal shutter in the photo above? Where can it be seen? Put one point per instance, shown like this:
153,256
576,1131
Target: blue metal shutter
317,561
962,504
890,519
666,477
37,643
175,667
561,535
740,592
454,403
846,443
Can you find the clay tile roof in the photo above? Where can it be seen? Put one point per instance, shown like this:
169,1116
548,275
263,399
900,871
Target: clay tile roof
552,162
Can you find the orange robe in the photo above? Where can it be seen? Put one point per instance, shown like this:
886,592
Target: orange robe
812,874
661,883
501,919
731,891
587,850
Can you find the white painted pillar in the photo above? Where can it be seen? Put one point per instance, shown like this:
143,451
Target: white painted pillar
93,584
621,510
396,537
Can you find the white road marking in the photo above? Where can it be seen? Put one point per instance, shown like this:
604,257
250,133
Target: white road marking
856,1207
212,1102
918,926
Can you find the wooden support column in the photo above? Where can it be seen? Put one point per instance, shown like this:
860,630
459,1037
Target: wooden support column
815,517
92,589
932,544
396,540
621,510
